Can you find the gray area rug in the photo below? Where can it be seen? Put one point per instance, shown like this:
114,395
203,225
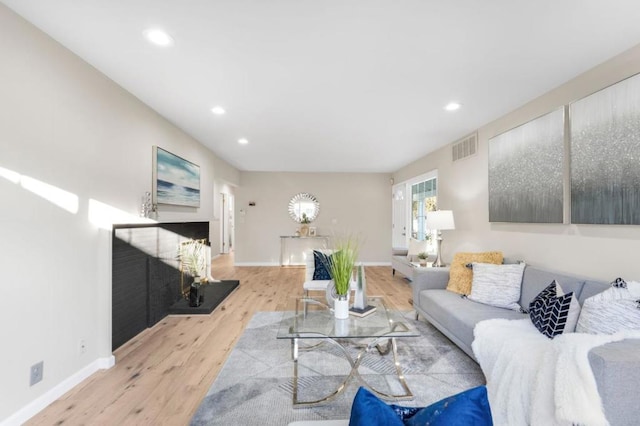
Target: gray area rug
255,384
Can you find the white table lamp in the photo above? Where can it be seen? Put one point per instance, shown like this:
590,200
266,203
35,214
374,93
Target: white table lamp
440,220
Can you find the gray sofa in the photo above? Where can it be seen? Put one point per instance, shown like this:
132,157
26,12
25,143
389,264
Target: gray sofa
616,366
400,263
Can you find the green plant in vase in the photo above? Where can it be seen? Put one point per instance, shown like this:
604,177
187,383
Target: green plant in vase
340,266
423,258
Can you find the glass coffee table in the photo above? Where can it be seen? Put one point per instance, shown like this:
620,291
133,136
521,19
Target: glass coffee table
377,331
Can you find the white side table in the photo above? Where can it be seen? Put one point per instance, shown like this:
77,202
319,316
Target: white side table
292,248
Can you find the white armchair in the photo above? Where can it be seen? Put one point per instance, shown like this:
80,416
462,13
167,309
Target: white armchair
310,266
317,285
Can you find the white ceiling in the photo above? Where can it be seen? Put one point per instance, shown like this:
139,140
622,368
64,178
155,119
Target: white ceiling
337,85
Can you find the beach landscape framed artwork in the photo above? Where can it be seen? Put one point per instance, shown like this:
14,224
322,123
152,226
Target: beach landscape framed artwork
176,181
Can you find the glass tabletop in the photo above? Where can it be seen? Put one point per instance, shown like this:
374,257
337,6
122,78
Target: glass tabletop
318,321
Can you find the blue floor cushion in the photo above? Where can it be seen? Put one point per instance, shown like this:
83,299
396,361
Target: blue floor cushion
470,407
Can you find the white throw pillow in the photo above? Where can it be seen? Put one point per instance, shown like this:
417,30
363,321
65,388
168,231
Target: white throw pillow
615,309
497,285
415,248
574,311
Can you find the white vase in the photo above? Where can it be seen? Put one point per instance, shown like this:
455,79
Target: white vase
342,327
341,308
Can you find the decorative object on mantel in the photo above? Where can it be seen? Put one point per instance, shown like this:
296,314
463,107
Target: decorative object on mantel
341,264
146,207
313,231
192,254
440,220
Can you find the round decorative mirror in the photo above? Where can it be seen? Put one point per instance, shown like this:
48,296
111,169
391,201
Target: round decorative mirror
304,205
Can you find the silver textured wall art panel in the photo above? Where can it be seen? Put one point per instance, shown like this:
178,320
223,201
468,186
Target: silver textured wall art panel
605,155
526,172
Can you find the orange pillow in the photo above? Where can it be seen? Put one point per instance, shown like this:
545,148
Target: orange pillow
460,276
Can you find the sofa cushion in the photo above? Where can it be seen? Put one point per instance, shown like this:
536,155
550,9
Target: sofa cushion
613,310
446,308
591,288
497,285
535,280
460,276
553,312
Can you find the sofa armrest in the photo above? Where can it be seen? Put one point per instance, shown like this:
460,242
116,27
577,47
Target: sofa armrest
399,251
616,368
428,279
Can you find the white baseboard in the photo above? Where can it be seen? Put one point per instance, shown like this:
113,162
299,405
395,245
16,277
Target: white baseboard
40,403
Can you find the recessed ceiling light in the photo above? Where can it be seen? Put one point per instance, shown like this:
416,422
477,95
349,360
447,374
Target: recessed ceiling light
452,106
158,37
218,110
243,141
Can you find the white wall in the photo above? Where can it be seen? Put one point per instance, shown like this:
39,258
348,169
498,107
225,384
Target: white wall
357,203
65,124
598,251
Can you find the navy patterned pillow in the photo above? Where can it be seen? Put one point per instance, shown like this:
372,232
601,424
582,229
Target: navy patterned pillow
321,266
549,312
619,283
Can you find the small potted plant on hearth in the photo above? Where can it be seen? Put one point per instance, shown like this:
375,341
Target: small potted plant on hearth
192,255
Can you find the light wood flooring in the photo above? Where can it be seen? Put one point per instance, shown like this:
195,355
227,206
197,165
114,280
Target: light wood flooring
162,374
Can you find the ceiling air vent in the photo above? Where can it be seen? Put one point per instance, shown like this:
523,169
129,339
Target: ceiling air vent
465,148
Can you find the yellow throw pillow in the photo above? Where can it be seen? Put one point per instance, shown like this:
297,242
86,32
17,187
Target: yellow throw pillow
460,277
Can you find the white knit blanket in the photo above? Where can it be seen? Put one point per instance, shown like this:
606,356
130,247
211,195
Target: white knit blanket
533,380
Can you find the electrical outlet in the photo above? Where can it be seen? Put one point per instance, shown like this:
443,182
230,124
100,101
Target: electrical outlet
36,373
82,346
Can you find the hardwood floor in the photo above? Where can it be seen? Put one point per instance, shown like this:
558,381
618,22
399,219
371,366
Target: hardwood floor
162,374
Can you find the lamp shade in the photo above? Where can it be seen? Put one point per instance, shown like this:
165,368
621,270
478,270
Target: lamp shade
440,220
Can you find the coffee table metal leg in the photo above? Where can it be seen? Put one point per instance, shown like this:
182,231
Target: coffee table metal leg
394,350
355,365
294,355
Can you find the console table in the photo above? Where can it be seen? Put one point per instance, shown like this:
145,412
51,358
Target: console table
292,248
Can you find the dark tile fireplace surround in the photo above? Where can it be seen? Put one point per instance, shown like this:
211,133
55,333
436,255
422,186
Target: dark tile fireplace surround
145,274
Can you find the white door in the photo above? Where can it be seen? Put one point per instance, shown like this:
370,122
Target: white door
399,216
226,223
230,223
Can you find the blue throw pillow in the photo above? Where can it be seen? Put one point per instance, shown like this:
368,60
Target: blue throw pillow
321,266
368,410
470,407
